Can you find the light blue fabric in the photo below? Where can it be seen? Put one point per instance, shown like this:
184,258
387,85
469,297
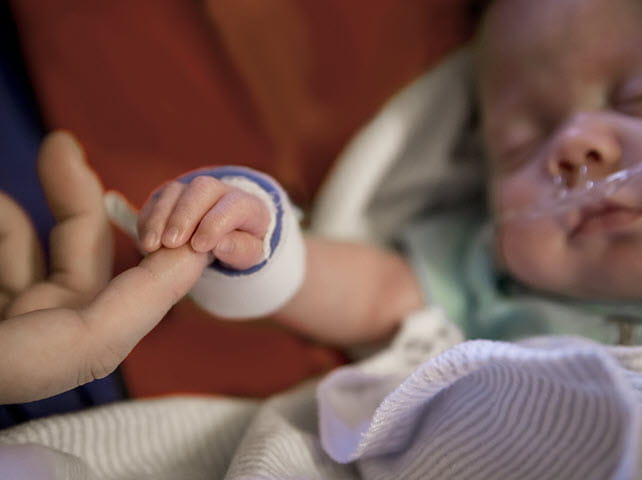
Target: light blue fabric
452,256
543,408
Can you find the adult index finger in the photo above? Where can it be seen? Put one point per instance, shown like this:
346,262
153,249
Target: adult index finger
136,300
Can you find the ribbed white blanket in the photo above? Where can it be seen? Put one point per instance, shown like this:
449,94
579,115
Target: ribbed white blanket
548,408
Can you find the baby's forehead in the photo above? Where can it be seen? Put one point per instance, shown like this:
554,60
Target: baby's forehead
522,17
508,25
544,32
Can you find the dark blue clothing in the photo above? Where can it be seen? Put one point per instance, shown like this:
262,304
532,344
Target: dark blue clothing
21,131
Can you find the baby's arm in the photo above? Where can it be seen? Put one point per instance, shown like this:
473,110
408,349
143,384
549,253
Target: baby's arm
351,293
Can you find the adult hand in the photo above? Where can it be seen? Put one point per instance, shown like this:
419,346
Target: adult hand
68,324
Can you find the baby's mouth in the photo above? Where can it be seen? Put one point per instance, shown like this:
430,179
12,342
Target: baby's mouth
607,217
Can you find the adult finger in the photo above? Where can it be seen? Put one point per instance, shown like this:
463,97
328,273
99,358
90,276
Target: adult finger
152,219
46,295
199,196
136,300
21,257
81,241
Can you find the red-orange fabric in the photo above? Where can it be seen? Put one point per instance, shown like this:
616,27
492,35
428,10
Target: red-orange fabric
155,88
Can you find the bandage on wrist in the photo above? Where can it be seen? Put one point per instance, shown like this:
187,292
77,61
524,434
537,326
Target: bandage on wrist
264,288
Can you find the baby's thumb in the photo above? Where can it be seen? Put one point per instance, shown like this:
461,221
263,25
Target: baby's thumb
240,250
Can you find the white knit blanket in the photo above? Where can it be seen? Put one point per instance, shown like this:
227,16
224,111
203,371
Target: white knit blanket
548,408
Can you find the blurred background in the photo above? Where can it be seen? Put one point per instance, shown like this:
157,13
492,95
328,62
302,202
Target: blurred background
155,88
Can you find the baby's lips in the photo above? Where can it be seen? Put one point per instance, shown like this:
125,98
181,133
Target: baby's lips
607,219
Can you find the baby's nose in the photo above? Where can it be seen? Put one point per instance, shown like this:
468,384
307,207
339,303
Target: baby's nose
585,149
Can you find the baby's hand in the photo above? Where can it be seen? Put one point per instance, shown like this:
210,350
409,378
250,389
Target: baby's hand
209,215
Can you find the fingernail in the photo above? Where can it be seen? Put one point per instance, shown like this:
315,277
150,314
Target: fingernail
225,246
149,240
171,236
73,147
76,146
199,243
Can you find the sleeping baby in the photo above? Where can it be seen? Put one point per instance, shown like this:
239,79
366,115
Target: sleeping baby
561,107
552,263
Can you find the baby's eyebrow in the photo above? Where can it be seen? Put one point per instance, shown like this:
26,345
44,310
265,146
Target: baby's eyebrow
515,129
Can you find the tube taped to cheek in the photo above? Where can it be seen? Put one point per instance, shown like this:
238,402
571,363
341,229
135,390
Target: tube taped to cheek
623,187
263,289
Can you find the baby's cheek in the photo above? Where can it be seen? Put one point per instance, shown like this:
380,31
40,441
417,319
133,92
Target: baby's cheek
515,199
535,253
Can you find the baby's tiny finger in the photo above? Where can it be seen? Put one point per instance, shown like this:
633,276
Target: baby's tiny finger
239,250
237,210
198,197
152,219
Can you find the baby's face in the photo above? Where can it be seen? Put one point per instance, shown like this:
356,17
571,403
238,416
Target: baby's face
561,93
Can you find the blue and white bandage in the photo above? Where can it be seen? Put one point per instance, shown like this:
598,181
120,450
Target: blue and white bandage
264,288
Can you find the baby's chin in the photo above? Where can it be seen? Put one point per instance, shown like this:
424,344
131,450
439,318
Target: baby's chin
592,282
611,271
597,291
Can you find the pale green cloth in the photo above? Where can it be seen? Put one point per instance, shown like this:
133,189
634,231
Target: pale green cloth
452,256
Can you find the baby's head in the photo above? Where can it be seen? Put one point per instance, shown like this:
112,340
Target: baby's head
561,97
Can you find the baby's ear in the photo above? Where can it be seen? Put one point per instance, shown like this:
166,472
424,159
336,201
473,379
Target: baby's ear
121,213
